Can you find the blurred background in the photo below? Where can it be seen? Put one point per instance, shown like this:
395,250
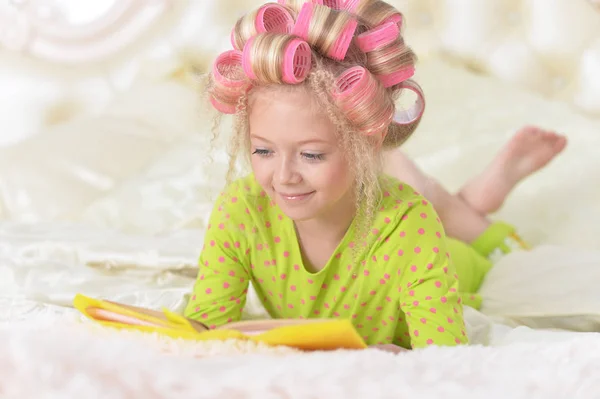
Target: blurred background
102,123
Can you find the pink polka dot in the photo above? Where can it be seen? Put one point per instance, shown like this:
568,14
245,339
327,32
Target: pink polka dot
457,340
413,268
436,250
427,298
212,243
375,231
222,309
194,298
411,293
400,252
386,257
286,254
421,231
221,226
416,333
277,239
417,250
293,288
433,310
205,316
313,298
415,303
324,286
373,292
346,306
382,281
316,312
429,341
423,215
267,224
387,220
423,320
310,281
221,259
438,284
225,285
366,272
336,277
234,200
402,234
296,267
197,309
290,306
429,266
208,290
445,270
283,276
441,329
450,320
443,299
236,244
267,263
302,301
343,289
231,273
438,234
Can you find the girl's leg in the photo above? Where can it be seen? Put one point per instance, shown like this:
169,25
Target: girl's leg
459,219
529,150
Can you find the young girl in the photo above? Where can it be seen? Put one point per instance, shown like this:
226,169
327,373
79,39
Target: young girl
318,228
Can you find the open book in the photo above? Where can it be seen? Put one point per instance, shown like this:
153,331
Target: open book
311,334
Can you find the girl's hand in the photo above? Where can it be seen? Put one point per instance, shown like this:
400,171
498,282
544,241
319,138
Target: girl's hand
389,348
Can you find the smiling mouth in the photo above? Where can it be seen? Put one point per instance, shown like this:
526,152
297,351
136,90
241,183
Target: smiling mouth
295,197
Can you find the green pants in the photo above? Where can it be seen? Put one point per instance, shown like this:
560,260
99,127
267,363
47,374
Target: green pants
473,261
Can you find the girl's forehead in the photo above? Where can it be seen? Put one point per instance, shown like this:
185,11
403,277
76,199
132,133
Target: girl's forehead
290,113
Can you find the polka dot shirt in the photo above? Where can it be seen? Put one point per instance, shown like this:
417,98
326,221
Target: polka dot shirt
396,285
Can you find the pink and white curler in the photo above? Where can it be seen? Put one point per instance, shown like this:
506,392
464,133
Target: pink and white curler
271,17
296,62
229,81
363,100
340,47
377,38
398,19
415,112
397,77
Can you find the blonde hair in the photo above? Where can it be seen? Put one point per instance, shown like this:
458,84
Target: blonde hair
356,124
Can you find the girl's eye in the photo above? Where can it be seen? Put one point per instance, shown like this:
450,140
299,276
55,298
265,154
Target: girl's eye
313,157
261,152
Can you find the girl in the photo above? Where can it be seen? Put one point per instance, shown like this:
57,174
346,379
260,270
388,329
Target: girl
318,228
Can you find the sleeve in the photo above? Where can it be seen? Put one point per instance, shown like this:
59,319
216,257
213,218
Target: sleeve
219,294
429,284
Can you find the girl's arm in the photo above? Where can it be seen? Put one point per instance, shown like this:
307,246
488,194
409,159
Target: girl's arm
219,293
429,296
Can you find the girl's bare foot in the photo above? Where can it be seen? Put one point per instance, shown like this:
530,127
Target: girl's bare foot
530,149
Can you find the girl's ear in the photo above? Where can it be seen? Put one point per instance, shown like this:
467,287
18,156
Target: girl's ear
378,139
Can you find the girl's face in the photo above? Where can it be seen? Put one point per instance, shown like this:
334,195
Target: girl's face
296,157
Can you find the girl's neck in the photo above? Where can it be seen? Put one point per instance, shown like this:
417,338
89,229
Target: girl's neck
331,226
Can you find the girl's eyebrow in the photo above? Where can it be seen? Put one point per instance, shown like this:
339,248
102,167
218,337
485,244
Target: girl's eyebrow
303,142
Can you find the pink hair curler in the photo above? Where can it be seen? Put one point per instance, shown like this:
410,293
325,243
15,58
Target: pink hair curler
229,83
271,17
397,19
377,38
415,112
285,2
351,5
397,77
339,49
274,18
297,61
246,62
228,61
356,92
335,4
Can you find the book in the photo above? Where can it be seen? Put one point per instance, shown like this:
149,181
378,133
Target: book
304,334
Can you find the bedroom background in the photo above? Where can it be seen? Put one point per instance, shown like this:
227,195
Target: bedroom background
107,181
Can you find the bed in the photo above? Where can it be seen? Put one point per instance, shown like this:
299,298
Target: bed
107,174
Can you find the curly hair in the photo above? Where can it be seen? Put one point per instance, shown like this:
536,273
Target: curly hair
362,151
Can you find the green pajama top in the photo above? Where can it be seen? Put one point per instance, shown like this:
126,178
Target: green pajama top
396,285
